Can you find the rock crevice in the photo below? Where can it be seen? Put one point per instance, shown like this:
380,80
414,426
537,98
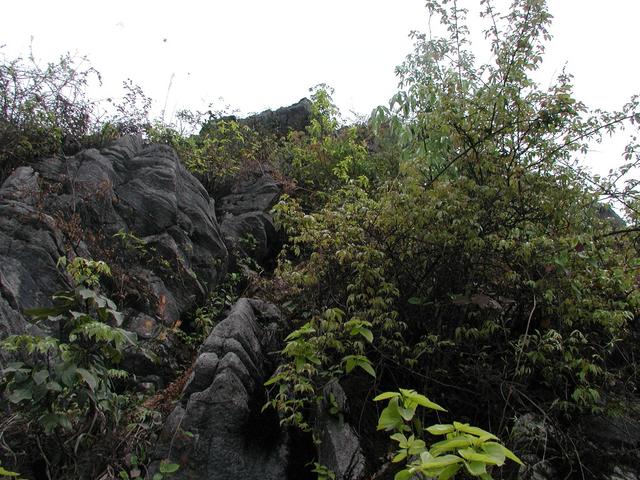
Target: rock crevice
212,432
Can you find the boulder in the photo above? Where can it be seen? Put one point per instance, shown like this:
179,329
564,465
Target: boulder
614,441
76,206
30,245
339,449
295,117
245,222
533,440
218,430
624,473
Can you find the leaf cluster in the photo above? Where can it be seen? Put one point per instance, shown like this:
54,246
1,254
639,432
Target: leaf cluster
464,446
63,387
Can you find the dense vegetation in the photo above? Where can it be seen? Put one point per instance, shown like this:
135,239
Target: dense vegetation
452,246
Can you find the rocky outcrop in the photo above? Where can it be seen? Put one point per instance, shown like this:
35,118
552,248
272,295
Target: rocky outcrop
78,205
218,431
30,244
245,222
339,449
295,117
614,441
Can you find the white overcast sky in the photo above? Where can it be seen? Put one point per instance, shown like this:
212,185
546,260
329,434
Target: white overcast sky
258,54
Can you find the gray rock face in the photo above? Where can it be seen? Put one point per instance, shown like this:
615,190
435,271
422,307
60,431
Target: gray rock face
625,473
615,439
339,449
620,431
295,117
245,223
75,205
218,432
531,434
30,244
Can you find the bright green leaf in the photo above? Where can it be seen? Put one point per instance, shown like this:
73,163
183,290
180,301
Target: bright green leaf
478,432
386,396
440,429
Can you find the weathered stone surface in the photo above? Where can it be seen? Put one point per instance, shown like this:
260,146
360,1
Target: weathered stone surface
30,244
339,449
218,432
295,117
246,225
616,440
68,206
624,473
254,194
619,431
143,325
531,440
145,190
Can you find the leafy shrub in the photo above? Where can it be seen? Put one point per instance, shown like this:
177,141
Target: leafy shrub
486,265
223,147
315,354
327,155
42,107
45,110
463,446
63,387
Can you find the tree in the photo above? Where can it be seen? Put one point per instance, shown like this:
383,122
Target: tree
493,123
487,261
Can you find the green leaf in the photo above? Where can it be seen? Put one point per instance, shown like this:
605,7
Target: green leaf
44,312
414,397
401,455
40,376
169,467
7,473
53,387
274,379
407,413
367,367
473,456
14,367
440,429
403,475
450,444
390,418
303,330
52,420
352,361
425,402
478,432
416,446
88,378
386,396
68,375
507,453
20,394
440,462
365,332
476,468
448,472
494,450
